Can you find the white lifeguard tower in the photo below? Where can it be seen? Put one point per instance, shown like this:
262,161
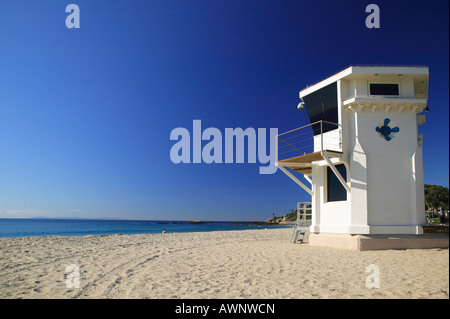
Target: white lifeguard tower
361,156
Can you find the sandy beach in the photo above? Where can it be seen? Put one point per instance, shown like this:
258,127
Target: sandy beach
234,264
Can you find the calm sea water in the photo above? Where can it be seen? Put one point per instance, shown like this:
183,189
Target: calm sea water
81,227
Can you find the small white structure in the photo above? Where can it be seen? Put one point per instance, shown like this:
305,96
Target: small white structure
303,222
364,160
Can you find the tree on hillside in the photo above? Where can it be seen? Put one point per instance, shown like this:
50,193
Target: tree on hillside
436,198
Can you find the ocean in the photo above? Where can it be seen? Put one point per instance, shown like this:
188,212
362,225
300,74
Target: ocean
10,227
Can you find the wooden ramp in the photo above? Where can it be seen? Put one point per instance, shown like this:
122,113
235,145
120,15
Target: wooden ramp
303,163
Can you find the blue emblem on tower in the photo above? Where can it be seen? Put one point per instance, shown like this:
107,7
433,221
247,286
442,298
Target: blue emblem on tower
386,128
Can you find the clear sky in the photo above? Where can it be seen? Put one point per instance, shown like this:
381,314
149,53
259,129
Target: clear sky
86,114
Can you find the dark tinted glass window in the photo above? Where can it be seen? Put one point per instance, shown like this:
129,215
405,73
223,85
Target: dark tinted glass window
383,89
322,105
335,190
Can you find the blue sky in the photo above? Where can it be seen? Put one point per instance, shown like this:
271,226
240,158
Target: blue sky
86,114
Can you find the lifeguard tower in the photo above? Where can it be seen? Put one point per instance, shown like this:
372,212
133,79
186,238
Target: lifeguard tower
361,158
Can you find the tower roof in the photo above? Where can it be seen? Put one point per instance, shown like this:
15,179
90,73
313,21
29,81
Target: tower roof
418,73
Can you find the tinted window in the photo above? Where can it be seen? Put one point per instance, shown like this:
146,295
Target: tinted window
322,105
335,190
384,89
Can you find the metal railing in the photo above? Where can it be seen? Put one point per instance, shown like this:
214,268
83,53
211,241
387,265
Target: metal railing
309,138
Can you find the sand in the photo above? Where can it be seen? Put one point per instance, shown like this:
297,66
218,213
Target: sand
231,265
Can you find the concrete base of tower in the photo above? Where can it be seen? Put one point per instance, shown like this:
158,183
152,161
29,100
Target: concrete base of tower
379,242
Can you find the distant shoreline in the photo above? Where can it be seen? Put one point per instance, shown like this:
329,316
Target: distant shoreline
10,228
140,220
